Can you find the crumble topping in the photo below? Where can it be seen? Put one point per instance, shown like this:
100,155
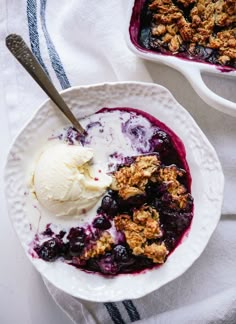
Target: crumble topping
131,180
142,217
210,24
100,247
168,175
144,225
156,252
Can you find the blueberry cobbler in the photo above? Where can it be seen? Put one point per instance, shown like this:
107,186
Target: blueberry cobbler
146,208
204,30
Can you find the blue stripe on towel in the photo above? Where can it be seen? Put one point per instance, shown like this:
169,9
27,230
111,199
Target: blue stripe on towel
131,310
64,82
33,31
55,59
114,313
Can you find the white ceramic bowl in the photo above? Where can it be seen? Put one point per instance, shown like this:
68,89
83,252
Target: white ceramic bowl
190,69
207,186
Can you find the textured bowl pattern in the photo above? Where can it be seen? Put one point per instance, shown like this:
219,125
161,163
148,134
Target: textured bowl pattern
207,186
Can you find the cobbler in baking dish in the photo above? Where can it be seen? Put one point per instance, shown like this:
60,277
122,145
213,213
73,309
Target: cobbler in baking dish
145,211
204,30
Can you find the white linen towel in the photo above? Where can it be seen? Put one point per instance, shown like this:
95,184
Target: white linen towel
83,42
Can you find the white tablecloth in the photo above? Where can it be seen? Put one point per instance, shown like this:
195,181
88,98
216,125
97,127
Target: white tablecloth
82,42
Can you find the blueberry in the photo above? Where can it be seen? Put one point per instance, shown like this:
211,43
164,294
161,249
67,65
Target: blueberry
113,209
189,206
160,142
155,44
165,46
183,221
154,190
92,265
214,58
166,199
109,205
102,223
76,234
143,262
120,253
182,48
76,248
110,192
156,203
203,52
176,222
99,210
144,37
170,240
163,136
107,265
49,250
134,201
106,203
65,251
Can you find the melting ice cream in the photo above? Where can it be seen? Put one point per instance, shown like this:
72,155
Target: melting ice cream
67,181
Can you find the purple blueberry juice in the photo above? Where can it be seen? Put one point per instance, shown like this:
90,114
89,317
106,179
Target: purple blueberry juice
146,210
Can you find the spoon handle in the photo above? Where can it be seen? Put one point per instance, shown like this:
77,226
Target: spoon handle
23,54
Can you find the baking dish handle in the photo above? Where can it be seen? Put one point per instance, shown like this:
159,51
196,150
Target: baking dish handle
211,98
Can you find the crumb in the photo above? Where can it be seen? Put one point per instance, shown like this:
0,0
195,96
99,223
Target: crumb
131,180
156,252
206,16
143,225
102,245
169,175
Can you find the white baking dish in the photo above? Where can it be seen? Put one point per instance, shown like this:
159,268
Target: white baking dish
192,70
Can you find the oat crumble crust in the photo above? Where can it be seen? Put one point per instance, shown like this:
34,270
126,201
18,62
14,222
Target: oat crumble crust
144,223
100,247
205,18
142,226
131,180
168,175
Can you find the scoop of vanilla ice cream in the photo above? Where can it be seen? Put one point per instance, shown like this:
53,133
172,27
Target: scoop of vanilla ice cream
66,182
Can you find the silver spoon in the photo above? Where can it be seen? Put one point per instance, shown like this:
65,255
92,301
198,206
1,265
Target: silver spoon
23,54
